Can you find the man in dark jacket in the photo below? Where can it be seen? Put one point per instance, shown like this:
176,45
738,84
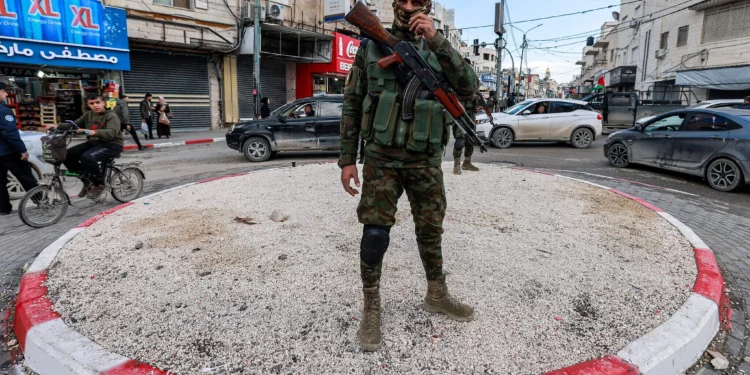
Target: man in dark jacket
746,104
123,113
104,142
147,114
13,155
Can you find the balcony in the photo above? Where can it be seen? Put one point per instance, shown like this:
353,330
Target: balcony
601,62
581,62
601,44
589,51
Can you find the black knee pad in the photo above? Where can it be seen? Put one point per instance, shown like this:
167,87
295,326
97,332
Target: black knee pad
375,240
460,143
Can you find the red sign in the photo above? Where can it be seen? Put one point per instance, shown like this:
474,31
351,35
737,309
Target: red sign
342,57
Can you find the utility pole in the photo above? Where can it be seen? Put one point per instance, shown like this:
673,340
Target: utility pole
256,57
499,30
524,45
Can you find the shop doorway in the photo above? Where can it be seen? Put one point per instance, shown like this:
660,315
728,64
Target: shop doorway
328,85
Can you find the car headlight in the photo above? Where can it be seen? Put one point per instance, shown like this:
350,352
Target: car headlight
231,128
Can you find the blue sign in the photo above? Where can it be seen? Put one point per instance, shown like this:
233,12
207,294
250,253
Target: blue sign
65,33
488,78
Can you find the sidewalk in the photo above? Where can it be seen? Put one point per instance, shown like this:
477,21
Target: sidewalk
177,139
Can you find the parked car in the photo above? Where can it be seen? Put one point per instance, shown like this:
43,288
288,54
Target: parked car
622,109
712,143
716,103
290,129
33,142
562,120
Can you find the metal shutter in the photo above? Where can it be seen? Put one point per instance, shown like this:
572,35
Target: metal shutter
181,79
273,83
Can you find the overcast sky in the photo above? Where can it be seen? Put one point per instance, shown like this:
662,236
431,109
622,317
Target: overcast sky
561,62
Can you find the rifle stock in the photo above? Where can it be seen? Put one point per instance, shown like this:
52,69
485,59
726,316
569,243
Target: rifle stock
363,18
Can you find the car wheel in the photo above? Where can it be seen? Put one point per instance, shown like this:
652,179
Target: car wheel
582,138
15,189
502,138
257,149
724,175
618,155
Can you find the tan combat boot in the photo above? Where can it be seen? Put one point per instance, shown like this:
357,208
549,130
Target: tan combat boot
457,166
370,337
468,166
438,300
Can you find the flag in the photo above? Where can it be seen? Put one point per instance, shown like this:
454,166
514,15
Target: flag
600,84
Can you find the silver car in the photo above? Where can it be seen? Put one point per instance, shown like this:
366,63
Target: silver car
543,119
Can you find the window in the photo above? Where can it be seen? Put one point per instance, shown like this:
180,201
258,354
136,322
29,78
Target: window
620,101
707,122
175,3
682,36
727,22
563,107
671,123
625,57
331,109
664,40
538,108
612,55
634,54
297,111
486,57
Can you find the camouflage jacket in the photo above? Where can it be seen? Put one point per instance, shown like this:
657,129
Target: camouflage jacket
459,75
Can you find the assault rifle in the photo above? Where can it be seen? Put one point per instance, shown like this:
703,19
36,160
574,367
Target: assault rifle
487,110
413,72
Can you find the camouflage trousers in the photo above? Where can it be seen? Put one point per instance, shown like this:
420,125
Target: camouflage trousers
468,148
381,189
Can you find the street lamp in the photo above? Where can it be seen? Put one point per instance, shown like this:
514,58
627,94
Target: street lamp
524,45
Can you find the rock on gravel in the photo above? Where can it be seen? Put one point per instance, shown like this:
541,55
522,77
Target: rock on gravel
558,271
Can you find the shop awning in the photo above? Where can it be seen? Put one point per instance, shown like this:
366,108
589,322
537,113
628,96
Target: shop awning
719,78
295,44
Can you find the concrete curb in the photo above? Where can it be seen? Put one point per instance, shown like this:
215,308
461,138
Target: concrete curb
678,343
174,144
52,348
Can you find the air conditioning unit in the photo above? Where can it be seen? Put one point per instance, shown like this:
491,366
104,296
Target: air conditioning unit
634,24
248,11
275,11
661,53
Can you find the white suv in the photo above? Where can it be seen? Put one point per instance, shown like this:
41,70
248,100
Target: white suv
543,119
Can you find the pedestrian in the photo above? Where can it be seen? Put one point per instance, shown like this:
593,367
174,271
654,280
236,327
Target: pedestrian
147,114
746,103
265,111
103,141
470,103
163,113
123,113
13,154
394,164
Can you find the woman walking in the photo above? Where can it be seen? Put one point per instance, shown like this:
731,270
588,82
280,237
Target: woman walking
265,112
163,113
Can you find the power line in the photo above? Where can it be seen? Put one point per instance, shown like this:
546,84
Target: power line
555,16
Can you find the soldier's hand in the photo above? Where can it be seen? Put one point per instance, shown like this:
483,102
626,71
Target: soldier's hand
25,156
422,24
347,173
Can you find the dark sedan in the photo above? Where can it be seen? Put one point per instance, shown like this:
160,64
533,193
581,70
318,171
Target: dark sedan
292,127
711,143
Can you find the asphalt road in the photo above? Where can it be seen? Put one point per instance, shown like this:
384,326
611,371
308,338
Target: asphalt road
721,219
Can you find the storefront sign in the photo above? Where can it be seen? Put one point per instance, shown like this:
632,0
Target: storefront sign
344,50
66,33
622,75
335,10
347,48
489,78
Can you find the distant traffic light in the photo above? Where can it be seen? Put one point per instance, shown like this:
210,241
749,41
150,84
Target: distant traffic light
476,47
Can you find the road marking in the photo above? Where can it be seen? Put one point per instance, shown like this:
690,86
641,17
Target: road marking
630,181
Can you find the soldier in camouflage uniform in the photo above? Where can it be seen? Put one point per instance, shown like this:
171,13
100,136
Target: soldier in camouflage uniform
400,156
470,103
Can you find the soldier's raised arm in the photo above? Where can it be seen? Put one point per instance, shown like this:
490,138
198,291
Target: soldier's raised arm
459,74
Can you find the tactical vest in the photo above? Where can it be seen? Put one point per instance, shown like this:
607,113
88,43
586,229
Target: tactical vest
382,122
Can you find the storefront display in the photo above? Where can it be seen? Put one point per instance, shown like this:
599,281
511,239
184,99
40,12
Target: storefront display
328,78
52,54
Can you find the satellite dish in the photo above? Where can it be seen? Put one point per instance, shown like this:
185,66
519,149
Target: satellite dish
616,16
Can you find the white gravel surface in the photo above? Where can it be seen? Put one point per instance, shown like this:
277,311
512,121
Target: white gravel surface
558,271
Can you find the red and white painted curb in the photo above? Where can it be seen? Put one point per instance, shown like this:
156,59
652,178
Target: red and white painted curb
174,144
52,348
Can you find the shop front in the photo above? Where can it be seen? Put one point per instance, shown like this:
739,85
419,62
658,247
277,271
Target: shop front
622,78
328,78
52,54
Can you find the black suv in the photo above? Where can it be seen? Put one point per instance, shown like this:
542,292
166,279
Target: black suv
290,129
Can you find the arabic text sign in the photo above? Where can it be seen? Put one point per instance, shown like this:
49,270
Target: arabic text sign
334,10
32,29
